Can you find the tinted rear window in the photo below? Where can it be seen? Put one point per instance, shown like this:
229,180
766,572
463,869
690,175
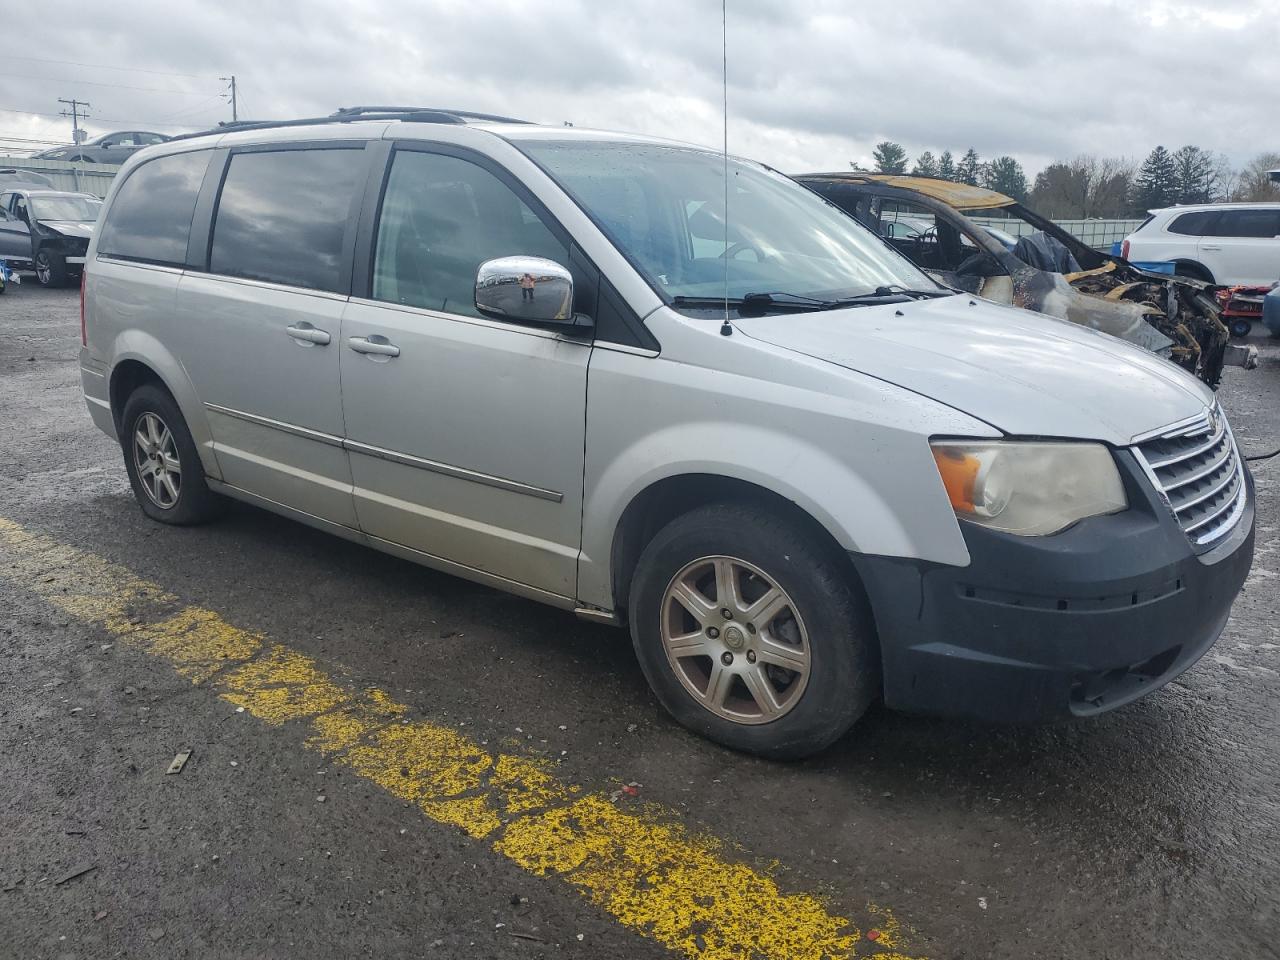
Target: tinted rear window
283,214
1247,223
1192,224
150,218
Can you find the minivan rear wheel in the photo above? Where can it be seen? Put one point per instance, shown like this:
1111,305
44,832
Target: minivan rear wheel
750,632
161,459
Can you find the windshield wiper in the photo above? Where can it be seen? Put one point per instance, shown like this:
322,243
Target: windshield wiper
754,303
894,290
758,304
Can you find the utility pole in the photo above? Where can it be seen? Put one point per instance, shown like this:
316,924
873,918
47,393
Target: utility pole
78,110
231,95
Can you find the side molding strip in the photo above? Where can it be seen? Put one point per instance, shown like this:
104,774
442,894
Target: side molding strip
448,470
354,446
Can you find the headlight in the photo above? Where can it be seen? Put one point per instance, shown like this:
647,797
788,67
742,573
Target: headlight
1030,489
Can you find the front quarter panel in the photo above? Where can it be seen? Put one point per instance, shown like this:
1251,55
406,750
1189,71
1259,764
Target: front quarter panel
850,450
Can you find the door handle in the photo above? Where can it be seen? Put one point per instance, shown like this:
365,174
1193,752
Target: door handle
1210,248
307,333
376,345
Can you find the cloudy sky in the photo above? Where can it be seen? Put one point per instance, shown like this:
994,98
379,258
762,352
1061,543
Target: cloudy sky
812,85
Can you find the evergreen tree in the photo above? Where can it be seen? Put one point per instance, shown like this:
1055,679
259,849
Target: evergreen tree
1195,175
969,167
946,166
1157,181
1005,175
926,166
890,157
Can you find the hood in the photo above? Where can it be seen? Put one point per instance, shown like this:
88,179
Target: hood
70,228
1024,373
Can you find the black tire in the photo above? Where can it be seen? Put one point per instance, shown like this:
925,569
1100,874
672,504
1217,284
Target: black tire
843,649
1240,327
195,502
51,269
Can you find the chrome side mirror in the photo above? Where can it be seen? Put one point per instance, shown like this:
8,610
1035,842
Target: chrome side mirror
525,289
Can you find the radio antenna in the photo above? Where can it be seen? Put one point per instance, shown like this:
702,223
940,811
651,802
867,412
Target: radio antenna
726,329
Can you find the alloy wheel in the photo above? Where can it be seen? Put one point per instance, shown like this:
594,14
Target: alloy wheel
155,455
44,269
735,640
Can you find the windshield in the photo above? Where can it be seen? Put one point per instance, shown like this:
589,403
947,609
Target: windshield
65,208
663,207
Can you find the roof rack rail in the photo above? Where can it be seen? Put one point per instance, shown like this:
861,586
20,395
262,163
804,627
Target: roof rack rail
460,114
352,114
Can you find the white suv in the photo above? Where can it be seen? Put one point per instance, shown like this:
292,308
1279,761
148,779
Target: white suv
1227,243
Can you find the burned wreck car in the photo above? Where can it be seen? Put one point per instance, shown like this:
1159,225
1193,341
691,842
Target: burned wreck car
1047,270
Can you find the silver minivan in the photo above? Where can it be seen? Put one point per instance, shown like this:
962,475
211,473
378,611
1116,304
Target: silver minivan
661,388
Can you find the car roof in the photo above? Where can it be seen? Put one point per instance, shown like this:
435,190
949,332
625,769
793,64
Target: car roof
1232,205
407,123
960,196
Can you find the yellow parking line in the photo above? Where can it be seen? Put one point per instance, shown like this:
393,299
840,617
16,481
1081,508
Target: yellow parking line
640,867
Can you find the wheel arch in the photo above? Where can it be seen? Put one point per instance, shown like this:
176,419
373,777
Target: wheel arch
672,496
140,358
1188,267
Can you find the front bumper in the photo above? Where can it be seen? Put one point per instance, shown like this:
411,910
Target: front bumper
1074,624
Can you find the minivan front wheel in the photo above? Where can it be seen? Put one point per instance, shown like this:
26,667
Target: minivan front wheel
750,632
161,459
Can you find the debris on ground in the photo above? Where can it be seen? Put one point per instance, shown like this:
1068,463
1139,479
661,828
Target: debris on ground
628,790
179,762
77,872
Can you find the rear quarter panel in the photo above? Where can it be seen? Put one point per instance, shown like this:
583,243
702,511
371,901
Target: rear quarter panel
130,315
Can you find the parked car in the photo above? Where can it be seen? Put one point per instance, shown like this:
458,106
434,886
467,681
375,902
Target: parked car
47,231
1271,311
1048,271
800,471
108,148
1234,244
12,177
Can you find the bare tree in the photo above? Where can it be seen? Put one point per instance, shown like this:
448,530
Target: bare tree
1227,175
1255,185
1087,186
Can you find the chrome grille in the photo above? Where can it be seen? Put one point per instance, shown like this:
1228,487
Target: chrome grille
1198,471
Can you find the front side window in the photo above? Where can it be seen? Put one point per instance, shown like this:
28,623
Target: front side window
283,214
1248,223
150,217
663,207
441,218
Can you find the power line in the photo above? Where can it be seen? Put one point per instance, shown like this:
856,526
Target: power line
103,66
32,113
56,143
94,83
207,104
